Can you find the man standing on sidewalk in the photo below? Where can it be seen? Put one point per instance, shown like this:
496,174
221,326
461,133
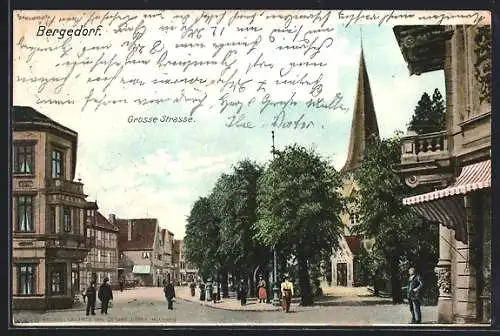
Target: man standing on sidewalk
105,295
169,294
91,298
415,285
287,293
243,292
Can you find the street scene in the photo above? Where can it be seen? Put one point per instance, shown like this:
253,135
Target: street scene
258,167
148,305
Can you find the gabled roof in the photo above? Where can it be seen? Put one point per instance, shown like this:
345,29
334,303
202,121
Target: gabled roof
364,125
354,243
102,222
143,233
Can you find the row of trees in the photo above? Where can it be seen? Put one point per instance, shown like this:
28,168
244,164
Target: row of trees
293,204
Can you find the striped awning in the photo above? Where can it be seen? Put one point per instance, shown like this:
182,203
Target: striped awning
447,206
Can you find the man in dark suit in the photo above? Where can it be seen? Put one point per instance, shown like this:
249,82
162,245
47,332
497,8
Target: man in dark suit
415,285
105,295
169,294
91,298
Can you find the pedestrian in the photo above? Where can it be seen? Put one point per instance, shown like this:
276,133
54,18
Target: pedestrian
415,285
215,291
84,294
91,298
243,292
262,290
169,291
122,283
105,295
192,286
202,291
287,293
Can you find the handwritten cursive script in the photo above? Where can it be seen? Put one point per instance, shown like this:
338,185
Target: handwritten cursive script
250,69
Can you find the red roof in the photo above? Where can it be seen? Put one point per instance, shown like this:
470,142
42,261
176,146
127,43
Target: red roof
102,222
143,233
354,243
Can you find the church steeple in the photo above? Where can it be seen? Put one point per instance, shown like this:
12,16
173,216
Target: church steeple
364,125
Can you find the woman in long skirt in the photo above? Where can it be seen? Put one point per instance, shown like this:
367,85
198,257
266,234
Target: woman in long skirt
262,292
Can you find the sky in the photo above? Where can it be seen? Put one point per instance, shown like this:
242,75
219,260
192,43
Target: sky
159,172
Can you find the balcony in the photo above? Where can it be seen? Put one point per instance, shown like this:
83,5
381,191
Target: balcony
67,246
426,159
59,185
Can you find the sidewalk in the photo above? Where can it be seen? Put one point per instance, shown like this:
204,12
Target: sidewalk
231,303
337,296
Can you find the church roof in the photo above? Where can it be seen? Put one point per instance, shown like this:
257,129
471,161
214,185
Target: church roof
364,121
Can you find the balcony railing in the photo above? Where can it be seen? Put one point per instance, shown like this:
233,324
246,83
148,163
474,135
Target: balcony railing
59,185
426,147
66,240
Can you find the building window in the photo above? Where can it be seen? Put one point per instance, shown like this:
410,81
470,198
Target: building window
52,219
25,214
98,256
76,220
26,279
353,218
57,164
99,235
67,219
24,159
58,279
109,257
75,279
145,255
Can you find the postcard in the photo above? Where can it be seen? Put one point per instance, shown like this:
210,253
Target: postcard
251,167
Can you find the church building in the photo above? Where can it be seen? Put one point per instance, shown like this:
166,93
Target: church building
364,128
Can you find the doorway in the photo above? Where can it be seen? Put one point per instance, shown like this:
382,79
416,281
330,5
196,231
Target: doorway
342,274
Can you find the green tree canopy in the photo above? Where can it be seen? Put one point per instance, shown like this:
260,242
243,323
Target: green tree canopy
298,207
202,237
235,203
429,115
399,233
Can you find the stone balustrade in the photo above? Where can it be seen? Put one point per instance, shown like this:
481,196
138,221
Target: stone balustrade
425,147
58,184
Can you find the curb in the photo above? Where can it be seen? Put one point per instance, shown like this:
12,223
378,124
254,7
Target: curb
231,309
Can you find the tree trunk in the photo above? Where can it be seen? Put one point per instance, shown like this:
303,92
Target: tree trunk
397,293
224,284
252,284
304,283
376,285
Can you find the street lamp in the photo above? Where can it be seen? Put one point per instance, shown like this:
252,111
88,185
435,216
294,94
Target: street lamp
276,300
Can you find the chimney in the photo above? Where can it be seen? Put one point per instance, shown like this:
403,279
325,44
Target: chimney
112,218
129,230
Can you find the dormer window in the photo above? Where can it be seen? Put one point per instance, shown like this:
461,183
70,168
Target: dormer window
57,164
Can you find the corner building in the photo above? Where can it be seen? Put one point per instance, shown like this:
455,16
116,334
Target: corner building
457,162
48,212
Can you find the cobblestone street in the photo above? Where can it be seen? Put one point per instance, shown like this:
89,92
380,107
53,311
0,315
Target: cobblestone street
147,305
